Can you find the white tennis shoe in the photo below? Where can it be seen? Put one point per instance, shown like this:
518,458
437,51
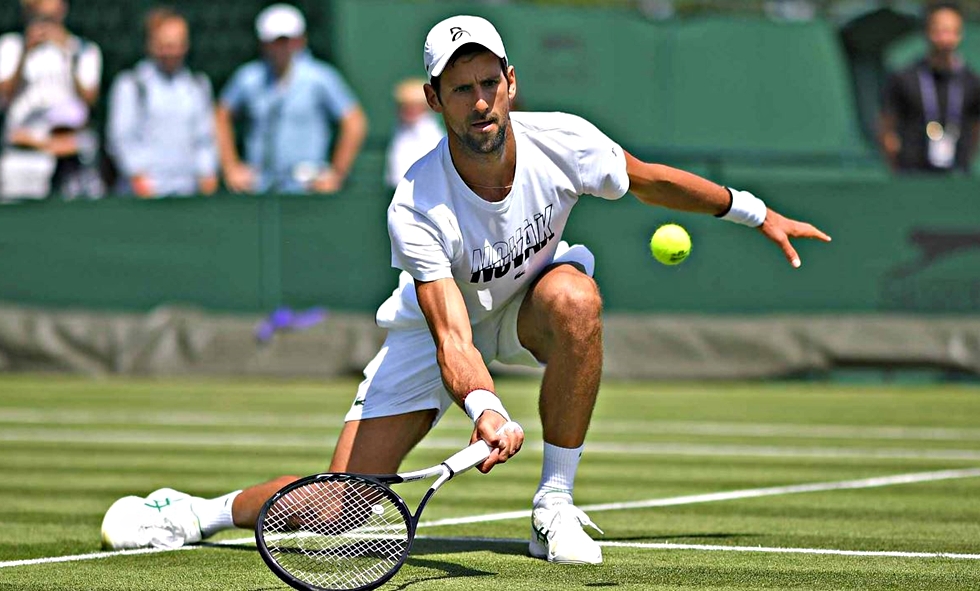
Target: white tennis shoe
557,534
164,519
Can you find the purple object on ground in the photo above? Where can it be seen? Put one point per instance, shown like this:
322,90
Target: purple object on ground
287,319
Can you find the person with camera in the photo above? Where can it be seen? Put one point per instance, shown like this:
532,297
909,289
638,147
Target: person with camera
44,72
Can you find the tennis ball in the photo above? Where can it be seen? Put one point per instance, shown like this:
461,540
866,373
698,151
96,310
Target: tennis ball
670,244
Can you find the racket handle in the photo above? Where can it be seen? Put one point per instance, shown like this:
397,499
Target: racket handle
471,456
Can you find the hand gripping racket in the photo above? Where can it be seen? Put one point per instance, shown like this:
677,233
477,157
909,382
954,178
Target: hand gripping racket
339,531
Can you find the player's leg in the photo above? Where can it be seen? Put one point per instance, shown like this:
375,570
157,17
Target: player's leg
560,322
399,400
368,446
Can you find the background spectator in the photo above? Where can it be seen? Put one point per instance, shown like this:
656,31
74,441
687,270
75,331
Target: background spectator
418,130
289,101
160,132
49,79
931,109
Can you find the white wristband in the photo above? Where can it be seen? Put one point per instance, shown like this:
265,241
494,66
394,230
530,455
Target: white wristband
478,401
746,209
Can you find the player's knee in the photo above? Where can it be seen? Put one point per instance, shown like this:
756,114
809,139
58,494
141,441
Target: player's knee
577,308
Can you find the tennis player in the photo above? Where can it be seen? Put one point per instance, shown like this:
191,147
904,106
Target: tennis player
476,228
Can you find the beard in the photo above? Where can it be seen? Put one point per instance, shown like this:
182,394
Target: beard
487,144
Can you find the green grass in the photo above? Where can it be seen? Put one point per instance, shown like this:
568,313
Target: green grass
69,446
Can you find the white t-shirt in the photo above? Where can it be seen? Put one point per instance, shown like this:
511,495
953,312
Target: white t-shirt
48,75
440,228
409,143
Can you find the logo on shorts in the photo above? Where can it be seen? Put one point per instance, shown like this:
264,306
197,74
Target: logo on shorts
497,260
458,32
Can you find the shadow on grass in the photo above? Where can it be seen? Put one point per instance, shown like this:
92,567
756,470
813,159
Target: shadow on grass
437,546
451,570
420,549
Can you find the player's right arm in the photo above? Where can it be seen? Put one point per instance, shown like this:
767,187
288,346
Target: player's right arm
463,371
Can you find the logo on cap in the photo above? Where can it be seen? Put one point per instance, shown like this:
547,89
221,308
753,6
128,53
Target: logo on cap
458,32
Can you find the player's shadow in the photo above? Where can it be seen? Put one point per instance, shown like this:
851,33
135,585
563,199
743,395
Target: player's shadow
452,546
452,570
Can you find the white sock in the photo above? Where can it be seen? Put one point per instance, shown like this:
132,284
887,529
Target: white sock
558,471
214,514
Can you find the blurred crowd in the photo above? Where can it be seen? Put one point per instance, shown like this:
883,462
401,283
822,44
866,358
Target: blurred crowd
287,122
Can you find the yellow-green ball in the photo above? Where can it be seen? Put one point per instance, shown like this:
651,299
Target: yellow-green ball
670,244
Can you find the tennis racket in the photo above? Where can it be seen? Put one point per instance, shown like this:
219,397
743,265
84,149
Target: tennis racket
339,531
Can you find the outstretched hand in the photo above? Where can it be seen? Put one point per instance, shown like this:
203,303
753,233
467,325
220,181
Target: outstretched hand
504,437
780,229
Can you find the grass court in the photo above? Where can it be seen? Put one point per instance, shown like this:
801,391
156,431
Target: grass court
777,485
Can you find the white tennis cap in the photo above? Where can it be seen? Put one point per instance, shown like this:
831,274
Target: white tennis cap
280,20
446,37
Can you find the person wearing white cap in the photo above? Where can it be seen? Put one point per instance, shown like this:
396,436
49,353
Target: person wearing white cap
291,104
476,229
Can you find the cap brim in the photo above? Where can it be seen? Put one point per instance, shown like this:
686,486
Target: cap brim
441,63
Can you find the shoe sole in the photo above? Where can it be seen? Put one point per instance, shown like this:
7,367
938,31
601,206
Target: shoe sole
544,556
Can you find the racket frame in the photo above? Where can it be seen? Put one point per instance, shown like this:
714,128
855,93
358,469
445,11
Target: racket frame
459,462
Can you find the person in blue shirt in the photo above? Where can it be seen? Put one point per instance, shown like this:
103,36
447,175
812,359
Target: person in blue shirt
160,130
289,103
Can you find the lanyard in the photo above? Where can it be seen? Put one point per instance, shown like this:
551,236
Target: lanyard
930,99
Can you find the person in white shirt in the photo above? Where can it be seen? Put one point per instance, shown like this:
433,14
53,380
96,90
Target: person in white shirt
160,131
417,132
41,70
476,229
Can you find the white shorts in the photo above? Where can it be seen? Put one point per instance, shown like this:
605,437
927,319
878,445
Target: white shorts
404,376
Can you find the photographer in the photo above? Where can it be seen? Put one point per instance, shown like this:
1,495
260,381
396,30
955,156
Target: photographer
45,71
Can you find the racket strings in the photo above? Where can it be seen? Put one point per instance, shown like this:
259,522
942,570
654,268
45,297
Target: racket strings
339,533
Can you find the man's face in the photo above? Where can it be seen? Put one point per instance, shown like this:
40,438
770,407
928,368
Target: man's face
53,11
475,101
280,52
168,44
945,31
411,111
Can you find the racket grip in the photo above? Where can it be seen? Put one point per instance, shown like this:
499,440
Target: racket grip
471,456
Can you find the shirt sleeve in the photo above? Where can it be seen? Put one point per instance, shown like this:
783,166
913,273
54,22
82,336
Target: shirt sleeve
129,152
88,71
11,48
891,97
234,94
601,162
417,246
206,156
335,95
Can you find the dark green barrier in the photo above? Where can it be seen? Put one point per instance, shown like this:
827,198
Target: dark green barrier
910,245
898,245
228,252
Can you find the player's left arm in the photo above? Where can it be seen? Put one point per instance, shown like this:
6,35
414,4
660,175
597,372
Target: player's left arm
656,184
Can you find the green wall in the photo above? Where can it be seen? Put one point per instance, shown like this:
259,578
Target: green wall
251,253
738,88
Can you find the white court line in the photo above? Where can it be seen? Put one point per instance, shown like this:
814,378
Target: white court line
732,495
94,556
684,500
718,548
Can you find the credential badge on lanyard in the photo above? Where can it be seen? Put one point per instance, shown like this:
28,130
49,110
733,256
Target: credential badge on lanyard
942,138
